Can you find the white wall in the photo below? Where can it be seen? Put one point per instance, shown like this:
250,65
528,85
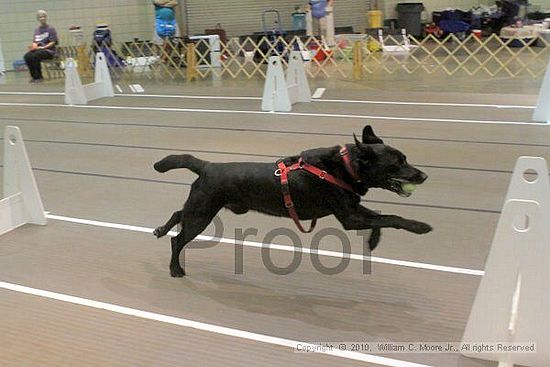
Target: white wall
128,19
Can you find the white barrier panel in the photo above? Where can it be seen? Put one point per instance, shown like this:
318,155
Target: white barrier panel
22,203
280,93
76,93
542,111
512,301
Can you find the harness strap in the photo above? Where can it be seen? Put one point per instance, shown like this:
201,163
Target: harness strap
283,171
347,163
289,204
324,175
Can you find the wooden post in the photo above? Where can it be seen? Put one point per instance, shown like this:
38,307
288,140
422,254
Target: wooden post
83,61
357,61
192,72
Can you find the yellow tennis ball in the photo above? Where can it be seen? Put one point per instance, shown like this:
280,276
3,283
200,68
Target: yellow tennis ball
408,188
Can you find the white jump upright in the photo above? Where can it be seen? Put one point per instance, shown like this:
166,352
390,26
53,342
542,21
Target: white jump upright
22,203
542,111
513,299
280,93
2,63
76,93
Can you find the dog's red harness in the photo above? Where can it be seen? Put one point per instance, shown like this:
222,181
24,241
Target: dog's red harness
283,171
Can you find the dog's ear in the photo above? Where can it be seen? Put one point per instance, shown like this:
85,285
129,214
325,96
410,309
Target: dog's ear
357,142
369,137
366,153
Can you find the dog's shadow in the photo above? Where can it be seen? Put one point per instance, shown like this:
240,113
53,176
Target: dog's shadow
322,310
309,303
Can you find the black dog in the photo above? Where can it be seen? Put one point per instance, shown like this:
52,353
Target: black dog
241,187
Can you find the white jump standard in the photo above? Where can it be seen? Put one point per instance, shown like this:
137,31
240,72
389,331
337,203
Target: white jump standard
280,93
22,203
2,64
512,302
78,94
542,111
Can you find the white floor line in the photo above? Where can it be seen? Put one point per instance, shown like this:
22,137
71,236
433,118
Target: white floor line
141,95
221,330
249,112
322,90
408,264
32,93
182,96
440,104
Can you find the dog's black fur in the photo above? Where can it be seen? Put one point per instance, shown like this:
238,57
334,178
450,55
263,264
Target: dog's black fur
241,187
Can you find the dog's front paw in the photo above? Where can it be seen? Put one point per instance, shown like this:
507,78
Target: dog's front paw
177,272
419,227
374,238
160,232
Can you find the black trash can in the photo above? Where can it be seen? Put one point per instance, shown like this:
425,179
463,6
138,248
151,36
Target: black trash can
409,17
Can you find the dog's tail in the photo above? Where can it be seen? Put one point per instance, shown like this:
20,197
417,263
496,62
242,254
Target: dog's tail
180,161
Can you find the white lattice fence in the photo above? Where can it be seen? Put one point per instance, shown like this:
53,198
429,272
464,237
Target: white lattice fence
247,58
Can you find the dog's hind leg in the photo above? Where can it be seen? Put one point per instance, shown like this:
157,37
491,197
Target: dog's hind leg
176,218
177,244
198,212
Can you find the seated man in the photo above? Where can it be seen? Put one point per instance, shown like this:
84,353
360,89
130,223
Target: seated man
43,47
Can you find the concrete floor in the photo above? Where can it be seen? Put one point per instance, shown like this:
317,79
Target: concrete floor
95,163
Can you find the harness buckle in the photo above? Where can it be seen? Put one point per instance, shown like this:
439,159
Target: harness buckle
289,205
278,172
323,175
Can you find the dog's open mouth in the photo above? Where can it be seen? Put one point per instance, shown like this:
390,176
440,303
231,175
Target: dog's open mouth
403,188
